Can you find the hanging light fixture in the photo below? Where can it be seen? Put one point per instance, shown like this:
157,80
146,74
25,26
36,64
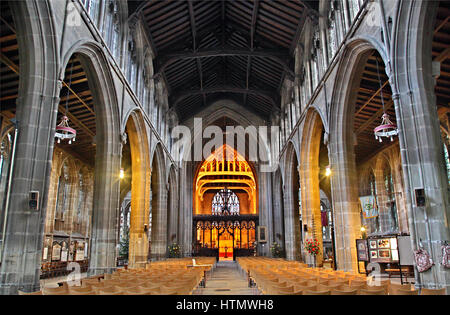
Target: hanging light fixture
63,130
387,128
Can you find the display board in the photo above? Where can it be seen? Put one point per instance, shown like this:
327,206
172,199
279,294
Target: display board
383,250
79,251
405,251
362,250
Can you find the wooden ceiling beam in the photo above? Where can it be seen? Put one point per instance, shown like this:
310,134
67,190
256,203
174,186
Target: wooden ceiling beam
374,117
281,58
272,97
252,46
194,44
300,25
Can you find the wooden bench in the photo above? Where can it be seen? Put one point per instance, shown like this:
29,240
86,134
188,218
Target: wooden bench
396,271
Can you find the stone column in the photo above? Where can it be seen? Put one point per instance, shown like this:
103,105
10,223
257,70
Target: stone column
310,196
186,207
345,207
278,212
106,208
38,94
159,211
413,81
291,220
265,211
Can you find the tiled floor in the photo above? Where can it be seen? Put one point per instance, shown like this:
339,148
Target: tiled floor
226,279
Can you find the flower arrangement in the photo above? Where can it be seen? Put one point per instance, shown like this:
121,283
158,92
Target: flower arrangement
312,247
277,250
174,250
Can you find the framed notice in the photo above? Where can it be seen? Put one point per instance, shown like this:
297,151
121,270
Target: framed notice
384,243
262,234
384,253
79,254
384,250
362,250
86,248
64,251
56,251
46,249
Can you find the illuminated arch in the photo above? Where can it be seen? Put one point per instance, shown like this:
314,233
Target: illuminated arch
225,168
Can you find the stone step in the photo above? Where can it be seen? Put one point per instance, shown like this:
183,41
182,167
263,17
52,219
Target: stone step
226,279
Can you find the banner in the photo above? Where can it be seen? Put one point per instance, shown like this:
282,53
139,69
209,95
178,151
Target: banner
369,206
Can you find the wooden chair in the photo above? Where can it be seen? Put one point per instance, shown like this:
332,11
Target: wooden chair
308,292
81,291
334,286
340,292
425,291
55,291
407,292
88,281
29,293
372,292
357,282
394,287
358,286
108,291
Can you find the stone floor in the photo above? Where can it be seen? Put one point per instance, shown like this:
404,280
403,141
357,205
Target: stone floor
227,279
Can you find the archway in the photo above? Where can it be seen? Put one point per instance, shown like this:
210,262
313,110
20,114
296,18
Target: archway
158,214
293,207
139,175
315,174
172,207
357,108
225,205
416,28
278,211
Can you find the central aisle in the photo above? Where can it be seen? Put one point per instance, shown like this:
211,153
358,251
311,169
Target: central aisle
227,279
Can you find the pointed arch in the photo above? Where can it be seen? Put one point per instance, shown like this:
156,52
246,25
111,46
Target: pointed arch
292,208
140,189
158,237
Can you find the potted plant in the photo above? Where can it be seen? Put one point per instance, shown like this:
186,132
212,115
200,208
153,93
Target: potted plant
313,248
277,250
174,250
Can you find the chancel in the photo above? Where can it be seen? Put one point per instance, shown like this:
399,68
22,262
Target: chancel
231,147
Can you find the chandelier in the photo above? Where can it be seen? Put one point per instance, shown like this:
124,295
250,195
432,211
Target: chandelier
63,130
387,128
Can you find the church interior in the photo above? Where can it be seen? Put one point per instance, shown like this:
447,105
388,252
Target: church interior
237,147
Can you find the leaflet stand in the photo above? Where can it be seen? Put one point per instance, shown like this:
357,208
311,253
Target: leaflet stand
362,254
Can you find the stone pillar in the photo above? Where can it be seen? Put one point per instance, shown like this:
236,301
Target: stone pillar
278,212
265,211
140,191
291,218
38,93
186,208
310,196
345,207
413,82
159,212
106,208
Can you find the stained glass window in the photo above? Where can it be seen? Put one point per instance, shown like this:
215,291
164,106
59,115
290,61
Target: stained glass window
225,200
447,159
63,192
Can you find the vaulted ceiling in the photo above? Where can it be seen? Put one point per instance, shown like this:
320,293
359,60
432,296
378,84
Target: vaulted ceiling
208,50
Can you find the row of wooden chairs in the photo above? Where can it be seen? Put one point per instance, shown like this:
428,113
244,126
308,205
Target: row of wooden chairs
171,277
281,277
